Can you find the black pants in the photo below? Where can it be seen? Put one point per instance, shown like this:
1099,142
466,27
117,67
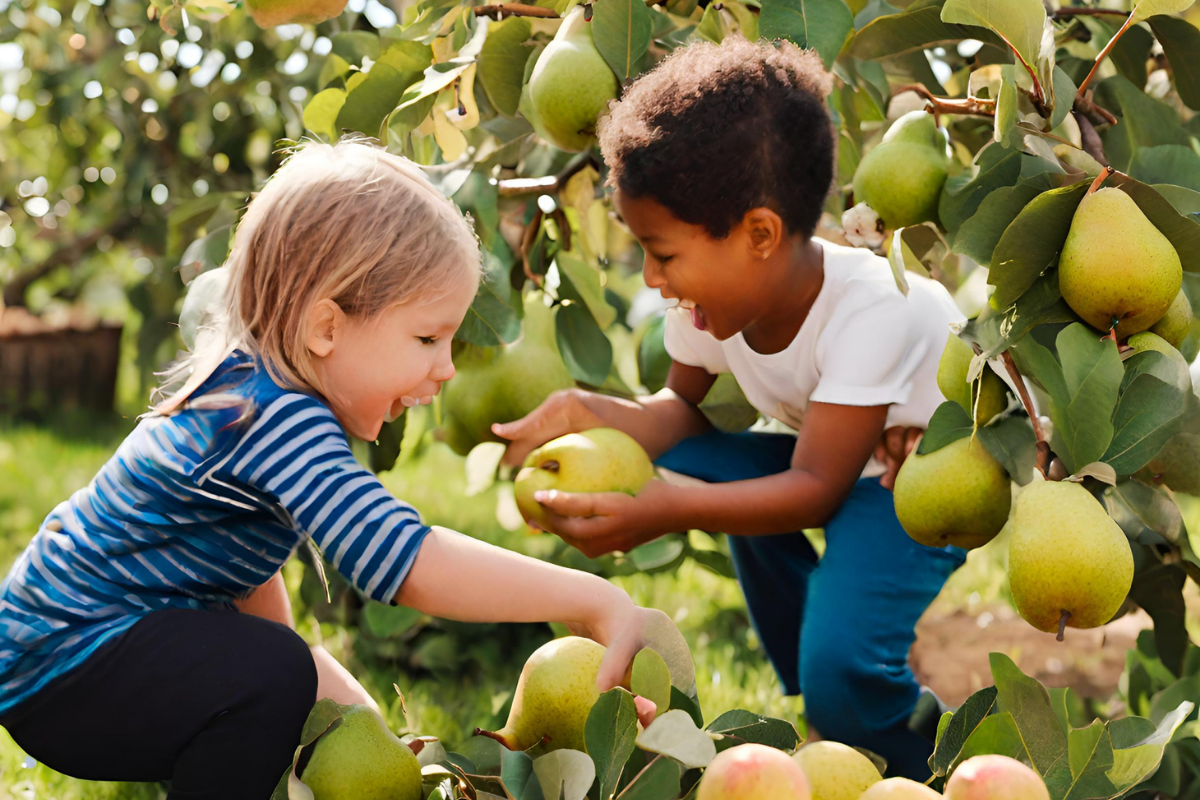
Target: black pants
212,701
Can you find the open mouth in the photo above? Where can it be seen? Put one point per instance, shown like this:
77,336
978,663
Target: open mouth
698,319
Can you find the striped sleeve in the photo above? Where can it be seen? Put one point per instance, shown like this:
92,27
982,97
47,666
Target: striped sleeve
296,454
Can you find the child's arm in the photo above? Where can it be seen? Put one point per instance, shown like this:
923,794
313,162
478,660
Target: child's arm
457,577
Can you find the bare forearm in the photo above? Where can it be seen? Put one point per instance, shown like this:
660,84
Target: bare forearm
789,501
658,422
457,577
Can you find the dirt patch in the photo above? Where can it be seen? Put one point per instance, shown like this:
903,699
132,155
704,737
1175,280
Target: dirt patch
951,652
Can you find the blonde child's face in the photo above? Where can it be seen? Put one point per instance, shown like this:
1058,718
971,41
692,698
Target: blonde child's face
371,370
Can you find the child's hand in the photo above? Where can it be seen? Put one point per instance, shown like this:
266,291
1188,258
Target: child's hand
561,413
601,522
893,448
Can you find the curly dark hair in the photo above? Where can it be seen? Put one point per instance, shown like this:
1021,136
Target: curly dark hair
716,130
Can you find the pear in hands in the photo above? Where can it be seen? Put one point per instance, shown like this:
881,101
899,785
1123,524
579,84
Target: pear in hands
596,460
361,759
752,772
555,694
958,494
1116,266
1068,562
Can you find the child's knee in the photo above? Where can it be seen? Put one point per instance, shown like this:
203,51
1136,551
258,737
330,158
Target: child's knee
850,695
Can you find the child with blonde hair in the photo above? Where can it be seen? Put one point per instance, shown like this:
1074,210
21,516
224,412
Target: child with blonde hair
144,631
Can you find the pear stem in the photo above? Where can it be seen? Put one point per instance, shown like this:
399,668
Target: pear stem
972,106
1100,179
1043,459
1062,624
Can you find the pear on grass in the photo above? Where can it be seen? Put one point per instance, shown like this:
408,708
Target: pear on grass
361,759
554,695
1116,266
836,771
899,789
995,777
958,494
1175,324
901,178
571,85
753,772
1069,564
501,384
596,460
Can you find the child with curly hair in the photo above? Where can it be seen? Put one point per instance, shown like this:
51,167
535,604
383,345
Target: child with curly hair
143,631
721,159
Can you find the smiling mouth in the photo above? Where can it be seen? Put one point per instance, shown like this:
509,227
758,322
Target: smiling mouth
698,318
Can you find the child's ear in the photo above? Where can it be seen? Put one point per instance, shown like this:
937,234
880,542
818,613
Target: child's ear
324,321
764,231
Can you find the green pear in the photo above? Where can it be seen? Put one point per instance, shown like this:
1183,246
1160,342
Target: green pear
899,789
1150,341
555,694
571,85
501,384
269,13
990,390
753,772
203,304
1178,464
958,494
1176,323
836,771
1067,559
361,759
995,777
1115,265
596,460
901,178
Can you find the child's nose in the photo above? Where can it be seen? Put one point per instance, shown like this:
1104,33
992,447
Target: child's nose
652,273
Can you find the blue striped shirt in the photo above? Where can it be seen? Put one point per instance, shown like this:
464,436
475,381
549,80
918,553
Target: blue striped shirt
196,510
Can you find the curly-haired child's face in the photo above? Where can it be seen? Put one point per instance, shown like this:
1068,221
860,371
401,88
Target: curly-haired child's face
370,370
722,281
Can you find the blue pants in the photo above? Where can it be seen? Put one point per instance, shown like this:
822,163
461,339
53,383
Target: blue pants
837,630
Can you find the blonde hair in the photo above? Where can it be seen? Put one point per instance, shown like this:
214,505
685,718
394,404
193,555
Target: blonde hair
347,221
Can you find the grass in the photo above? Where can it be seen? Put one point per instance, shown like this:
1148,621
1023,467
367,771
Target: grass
42,466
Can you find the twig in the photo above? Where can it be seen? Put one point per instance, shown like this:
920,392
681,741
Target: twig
973,106
1043,460
501,10
1082,92
1064,13
511,187
1097,114
1092,144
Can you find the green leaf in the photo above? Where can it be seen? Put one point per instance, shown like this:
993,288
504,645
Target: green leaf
820,25
1144,9
949,423
1019,22
959,728
654,363
665,552
1149,413
565,774
1031,244
610,733
726,407
1134,761
1180,42
502,63
1144,121
963,194
682,701
996,734
621,30
741,727
385,621
1138,507
516,772
585,349
1090,757
674,734
1158,589
493,317
979,235
912,31
651,678
321,113
581,283
1131,52
1092,374
658,781
1012,442
369,102
1167,163
353,46
1029,704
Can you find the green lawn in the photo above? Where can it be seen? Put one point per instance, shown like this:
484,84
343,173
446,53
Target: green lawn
41,466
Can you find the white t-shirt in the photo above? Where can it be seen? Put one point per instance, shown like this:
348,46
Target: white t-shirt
864,343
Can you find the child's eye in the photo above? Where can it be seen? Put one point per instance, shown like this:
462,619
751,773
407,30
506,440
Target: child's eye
663,259
427,339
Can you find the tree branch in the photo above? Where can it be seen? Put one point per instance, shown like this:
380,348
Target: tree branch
972,106
14,293
500,10
1043,460
511,187
1066,13
1092,144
